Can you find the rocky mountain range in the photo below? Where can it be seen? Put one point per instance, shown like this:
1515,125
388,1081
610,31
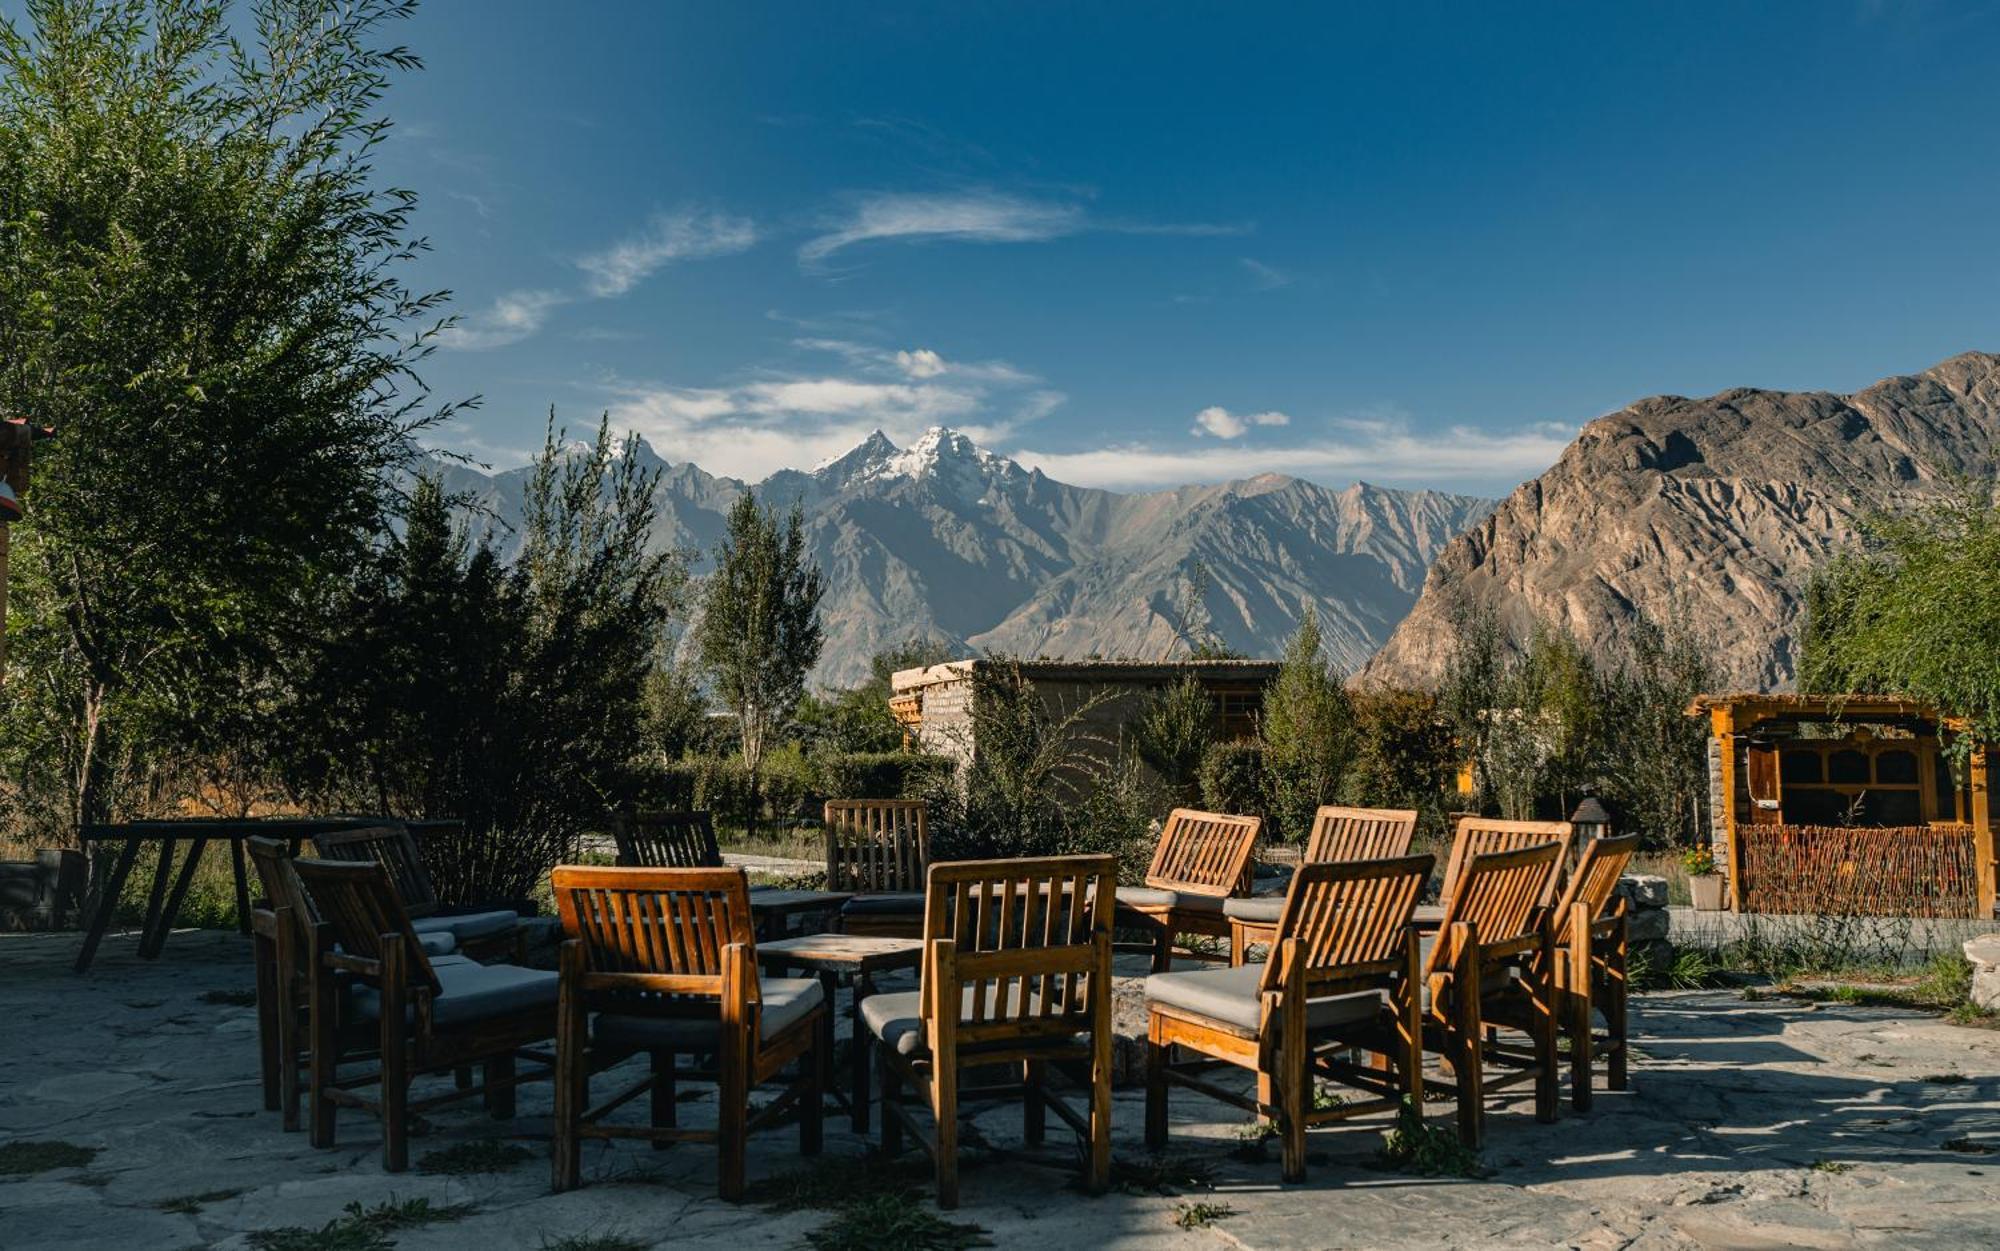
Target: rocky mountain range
1713,511
948,541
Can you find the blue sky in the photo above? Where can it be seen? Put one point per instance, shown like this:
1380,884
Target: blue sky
1413,244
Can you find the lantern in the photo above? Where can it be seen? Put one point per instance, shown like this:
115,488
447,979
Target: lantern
1590,821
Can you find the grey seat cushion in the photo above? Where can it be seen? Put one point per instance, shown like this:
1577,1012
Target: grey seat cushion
894,1018
1154,897
468,928
1263,909
472,992
786,1001
1229,997
894,904
1428,914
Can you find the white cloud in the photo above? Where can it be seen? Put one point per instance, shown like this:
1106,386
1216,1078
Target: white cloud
920,363
1474,459
1267,277
512,318
667,237
977,217
1223,424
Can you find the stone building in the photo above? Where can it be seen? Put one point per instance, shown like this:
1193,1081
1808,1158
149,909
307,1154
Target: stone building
934,704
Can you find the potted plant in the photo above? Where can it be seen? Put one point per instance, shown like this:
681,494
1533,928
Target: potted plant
1704,881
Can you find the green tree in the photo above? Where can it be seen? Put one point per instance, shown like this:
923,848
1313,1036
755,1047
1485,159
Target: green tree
857,719
760,631
1173,731
1307,728
1914,611
199,286
1656,756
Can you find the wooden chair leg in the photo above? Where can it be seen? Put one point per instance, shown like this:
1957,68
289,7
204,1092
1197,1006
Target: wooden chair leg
1157,1057
572,1076
395,1063
890,1081
1294,1064
812,1095
1411,1019
1468,1055
461,1077
944,1081
1573,1001
731,1119
1616,990
1163,946
665,1100
325,1057
1034,1109
1097,1177
268,1009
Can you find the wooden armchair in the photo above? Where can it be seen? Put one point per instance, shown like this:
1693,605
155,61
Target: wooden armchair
1202,859
666,840
1493,964
1481,836
481,933
374,988
666,961
1339,836
1017,971
1592,948
878,849
1345,975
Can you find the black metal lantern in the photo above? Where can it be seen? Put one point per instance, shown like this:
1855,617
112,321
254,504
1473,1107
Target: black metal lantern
1590,820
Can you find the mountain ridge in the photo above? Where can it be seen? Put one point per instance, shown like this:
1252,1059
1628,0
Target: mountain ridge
947,540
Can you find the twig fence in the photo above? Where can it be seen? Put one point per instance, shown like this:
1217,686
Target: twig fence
1920,871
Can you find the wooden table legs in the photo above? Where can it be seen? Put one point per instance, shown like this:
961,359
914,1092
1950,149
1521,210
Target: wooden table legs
107,902
163,900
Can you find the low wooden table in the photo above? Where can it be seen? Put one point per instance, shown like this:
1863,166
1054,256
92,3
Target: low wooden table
861,958
164,903
772,908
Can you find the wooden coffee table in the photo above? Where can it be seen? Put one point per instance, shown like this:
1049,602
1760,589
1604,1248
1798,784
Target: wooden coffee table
860,958
772,909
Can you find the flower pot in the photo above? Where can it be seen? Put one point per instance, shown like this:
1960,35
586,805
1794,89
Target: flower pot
1707,892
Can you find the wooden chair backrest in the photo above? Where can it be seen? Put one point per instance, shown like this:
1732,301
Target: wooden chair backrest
876,845
1349,919
395,849
1340,834
272,859
1203,853
664,941
1503,895
1595,880
1480,836
666,840
1029,944
360,903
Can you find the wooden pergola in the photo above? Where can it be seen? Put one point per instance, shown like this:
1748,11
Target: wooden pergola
1762,775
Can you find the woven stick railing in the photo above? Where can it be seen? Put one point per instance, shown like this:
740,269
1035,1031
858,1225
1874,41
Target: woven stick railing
1838,870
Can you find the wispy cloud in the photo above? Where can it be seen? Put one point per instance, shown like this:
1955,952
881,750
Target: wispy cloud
980,216
1385,452
667,237
1223,424
1266,277
510,319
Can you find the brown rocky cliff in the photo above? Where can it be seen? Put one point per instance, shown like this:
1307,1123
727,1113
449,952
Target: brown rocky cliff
1715,510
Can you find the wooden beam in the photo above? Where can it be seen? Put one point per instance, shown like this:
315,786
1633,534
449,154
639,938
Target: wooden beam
1979,770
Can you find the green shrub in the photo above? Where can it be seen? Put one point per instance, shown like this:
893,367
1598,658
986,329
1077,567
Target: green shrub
1173,731
877,774
1233,778
722,786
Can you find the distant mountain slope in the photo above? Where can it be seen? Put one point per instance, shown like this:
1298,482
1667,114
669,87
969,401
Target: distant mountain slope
948,541
1716,509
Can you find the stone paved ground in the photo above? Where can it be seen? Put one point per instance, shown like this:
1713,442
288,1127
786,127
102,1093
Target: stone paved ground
1733,1104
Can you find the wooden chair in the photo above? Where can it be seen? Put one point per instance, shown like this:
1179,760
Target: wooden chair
482,932
878,849
370,976
1493,964
666,840
1339,836
665,959
1480,836
1593,946
1202,859
1017,971
1345,975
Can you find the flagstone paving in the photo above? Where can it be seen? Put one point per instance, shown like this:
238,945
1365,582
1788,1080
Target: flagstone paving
1749,1124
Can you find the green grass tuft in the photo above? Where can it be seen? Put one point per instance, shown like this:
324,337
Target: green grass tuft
895,1220
835,1182
361,1229
1415,1146
463,1159
24,1158
613,1240
1836,1167
1200,1215
188,1205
